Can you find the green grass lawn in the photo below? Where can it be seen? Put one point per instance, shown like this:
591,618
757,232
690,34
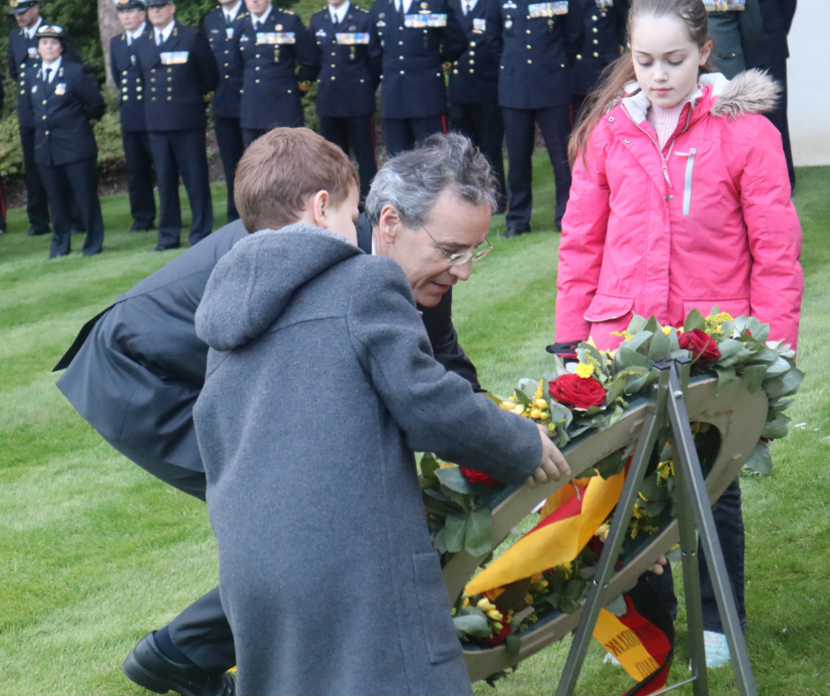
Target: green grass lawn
94,552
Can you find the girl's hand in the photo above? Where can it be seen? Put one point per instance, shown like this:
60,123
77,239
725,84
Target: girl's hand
552,464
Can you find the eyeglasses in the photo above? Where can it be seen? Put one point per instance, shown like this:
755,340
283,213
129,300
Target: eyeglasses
460,259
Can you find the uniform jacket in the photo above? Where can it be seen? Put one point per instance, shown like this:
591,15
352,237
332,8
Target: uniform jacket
327,356
220,34
776,18
413,78
605,27
22,51
474,78
61,111
734,33
127,74
718,228
276,58
538,52
135,370
349,72
180,76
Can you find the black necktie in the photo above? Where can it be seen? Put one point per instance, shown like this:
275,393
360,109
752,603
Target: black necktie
47,75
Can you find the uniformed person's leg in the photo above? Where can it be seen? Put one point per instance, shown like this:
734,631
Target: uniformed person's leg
167,174
231,147
398,134
555,124
83,176
139,165
59,192
362,138
37,208
577,102
251,134
424,127
778,116
488,127
520,130
190,150
335,130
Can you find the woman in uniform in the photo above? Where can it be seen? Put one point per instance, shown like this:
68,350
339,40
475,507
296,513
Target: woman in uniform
66,102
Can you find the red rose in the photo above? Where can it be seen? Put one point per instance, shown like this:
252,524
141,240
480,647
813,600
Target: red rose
479,477
497,638
574,391
702,346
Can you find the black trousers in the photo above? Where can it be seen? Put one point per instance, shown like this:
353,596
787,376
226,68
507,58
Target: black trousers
778,72
519,124
404,133
37,208
357,132
231,146
251,134
139,164
201,631
484,125
79,181
182,152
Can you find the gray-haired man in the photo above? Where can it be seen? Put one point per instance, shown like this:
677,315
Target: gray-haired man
429,210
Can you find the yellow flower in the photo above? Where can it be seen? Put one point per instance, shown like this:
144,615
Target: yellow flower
528,599
622,334
466,602
541,404
538,394
519,410
584,371
667,330
535,414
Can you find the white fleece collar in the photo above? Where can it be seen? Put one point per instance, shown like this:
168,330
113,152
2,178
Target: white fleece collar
637,103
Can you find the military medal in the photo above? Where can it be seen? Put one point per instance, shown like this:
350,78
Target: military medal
60,90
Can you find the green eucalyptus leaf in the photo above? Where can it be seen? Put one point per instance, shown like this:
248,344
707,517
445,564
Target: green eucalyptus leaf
660,347
653,325
729,347
753,377
438,503
777,428
784,385
428,465
453,479
652,491
513,645
636,325
610,466
779,367
654,507
725,377
529,386
614,389
674,342
638,340
617,606
760,460
694,321
454,532
479,535
472,625
439,542
630,358
523,398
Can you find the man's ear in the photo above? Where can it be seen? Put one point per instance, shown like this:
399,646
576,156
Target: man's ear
389,224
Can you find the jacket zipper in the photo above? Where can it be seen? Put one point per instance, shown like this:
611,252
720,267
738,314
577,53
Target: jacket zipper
687,189
664,160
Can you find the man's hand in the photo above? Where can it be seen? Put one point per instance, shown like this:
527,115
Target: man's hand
552,464
657,568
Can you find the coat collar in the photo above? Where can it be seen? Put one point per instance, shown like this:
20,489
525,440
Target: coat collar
710,87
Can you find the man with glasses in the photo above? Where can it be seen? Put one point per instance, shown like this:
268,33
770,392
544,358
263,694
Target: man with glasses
135,371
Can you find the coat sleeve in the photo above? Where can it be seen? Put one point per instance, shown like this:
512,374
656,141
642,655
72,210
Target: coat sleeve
493,34
774,232
206,63
444,341
308,58
584,228
574,27
751,25
453,39
90,95
437,410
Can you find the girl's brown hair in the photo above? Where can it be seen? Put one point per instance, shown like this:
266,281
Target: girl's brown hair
621,72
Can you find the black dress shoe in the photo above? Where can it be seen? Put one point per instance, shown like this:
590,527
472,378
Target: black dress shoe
513,232
142,227
147,667
161,248
37,233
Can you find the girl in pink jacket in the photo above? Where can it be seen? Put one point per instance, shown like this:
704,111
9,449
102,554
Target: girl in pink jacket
680,200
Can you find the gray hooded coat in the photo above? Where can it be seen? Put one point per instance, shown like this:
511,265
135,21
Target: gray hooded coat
320,385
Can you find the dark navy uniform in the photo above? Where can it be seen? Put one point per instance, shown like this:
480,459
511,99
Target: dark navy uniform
349,76
65,149
279,62
771,55
605,26
228,97
735,27
137,154
23,50
180,77
474,85
415,44
541,41
135,371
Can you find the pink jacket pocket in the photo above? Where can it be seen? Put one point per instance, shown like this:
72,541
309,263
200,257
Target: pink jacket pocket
607,307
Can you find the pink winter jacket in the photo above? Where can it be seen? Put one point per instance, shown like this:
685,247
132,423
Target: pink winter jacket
708,221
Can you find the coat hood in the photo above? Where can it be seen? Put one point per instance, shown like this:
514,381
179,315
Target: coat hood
252,284
749,92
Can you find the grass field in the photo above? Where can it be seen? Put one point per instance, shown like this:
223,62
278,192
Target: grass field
94,552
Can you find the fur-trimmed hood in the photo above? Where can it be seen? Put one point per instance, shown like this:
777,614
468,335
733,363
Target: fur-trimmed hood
749,92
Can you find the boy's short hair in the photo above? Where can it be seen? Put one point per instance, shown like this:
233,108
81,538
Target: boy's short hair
281,169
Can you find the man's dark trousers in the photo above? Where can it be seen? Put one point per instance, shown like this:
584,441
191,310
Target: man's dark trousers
483,124
359,133
231,149
176,152
139,161
555,124
37,208
403,134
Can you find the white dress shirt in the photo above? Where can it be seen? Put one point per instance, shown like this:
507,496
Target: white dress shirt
468,6
406,5
164,34
338,14
257,21
230,15
49,70
30,31
133,35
